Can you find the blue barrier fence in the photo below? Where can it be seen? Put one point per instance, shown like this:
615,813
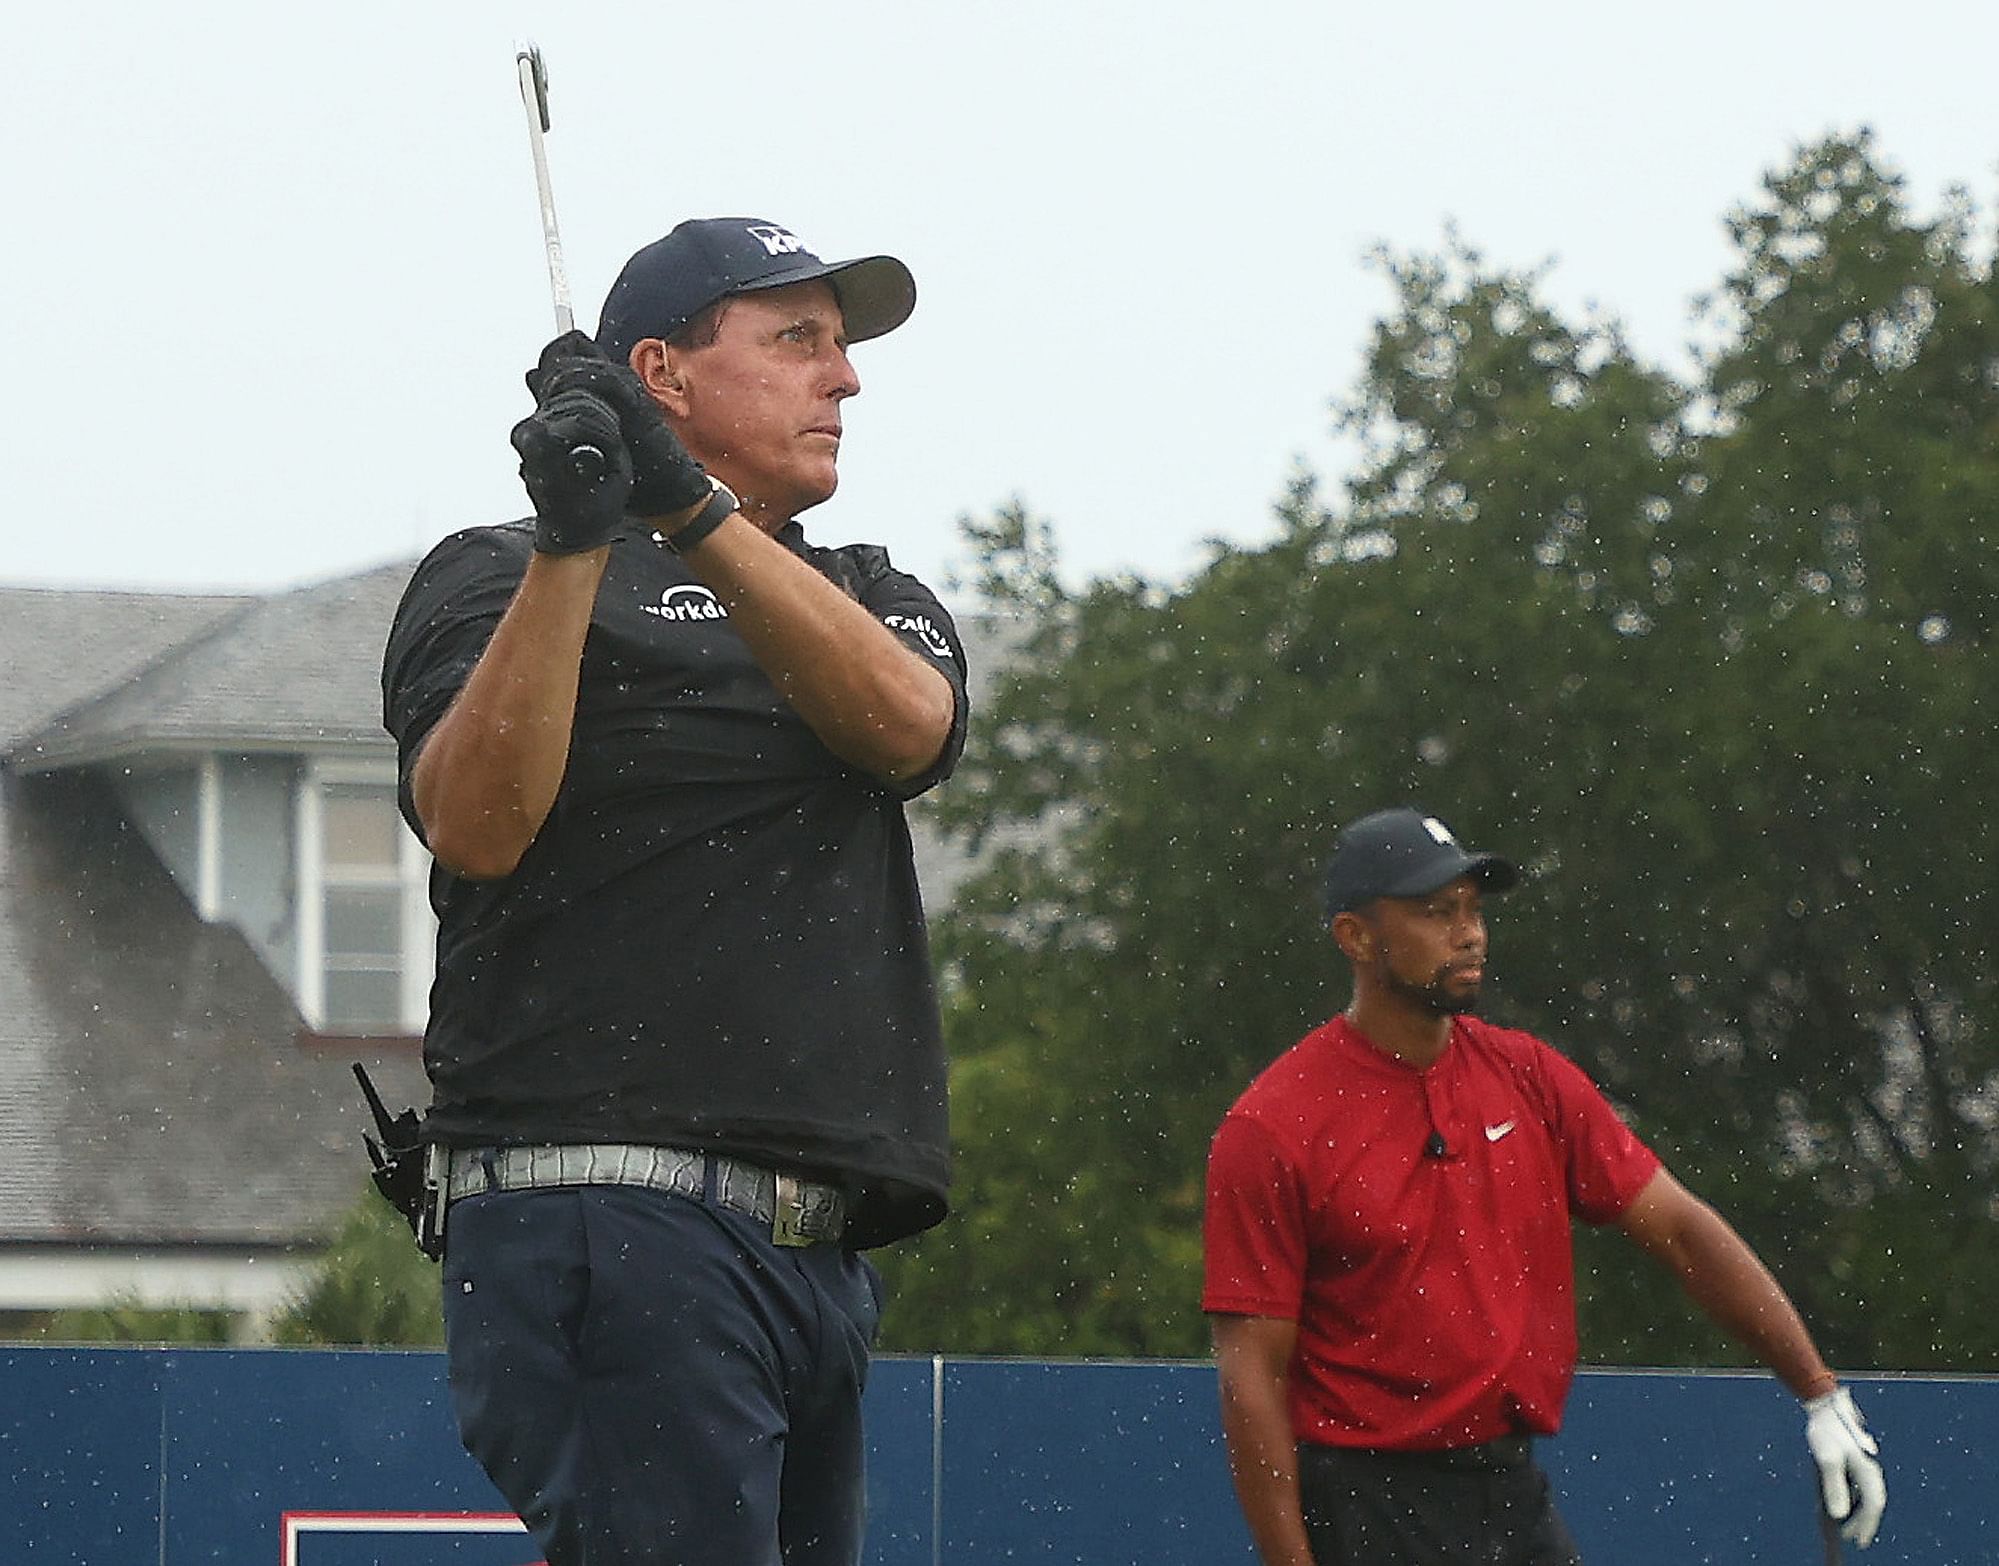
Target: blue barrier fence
274,1457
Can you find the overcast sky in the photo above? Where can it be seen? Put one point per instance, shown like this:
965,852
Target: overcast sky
273,272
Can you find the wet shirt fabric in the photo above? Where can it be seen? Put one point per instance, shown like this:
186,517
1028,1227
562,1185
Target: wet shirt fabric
1432,1281
716,940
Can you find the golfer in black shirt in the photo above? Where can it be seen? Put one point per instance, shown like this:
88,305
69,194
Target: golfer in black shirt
683,1043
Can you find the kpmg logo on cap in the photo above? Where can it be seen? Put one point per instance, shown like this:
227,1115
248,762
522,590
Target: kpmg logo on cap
1439,831
778,241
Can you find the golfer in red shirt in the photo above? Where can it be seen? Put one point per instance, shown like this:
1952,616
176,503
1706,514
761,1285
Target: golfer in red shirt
1389,1273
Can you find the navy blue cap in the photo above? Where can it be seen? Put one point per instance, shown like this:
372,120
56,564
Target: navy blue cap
1404,853
674,279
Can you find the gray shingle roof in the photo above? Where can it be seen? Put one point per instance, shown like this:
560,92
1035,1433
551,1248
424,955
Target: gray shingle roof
157,1086
154,1083
294,671
59,647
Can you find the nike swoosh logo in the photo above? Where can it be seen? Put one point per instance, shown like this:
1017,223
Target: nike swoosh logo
1494,1133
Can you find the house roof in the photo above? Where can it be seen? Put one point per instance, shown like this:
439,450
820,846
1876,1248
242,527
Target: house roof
157,1086
60,647
295,671
101,675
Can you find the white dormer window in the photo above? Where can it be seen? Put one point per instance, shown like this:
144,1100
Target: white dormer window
366,933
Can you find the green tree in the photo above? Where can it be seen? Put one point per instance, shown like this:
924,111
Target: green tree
1850,585
372,1286
1711,657
125,1320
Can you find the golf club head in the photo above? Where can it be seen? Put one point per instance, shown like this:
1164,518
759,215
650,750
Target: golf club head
538,75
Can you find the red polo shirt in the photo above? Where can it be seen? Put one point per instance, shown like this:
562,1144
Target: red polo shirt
1434,1295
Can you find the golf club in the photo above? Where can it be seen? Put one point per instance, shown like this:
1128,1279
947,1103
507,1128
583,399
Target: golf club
586,461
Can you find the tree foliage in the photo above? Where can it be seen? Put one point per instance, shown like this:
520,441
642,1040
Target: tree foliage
372,1285
124,1319
1712,656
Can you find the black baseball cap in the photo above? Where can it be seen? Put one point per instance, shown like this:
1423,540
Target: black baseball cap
1404,852
674,279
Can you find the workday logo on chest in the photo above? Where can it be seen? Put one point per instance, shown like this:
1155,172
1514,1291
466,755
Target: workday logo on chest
688,601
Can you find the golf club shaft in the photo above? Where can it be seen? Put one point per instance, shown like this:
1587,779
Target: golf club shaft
586,461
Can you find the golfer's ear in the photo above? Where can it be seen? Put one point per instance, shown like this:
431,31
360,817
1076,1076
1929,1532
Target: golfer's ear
658,367
1353,935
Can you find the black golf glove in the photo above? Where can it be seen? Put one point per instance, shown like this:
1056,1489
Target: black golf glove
577,471
665,479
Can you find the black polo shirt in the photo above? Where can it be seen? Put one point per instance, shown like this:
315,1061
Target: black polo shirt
716,940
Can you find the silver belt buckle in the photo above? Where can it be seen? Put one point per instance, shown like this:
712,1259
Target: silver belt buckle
436,1199
804,1213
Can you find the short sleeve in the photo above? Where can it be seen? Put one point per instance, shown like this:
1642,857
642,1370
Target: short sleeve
446,617
922,624
1606,1164
1254,1242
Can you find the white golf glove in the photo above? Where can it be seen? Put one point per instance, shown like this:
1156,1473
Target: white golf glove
1849,1477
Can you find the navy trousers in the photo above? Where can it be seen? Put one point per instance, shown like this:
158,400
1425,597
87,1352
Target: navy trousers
649,1381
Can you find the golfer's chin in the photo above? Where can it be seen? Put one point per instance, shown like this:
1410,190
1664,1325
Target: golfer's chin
809,487
1441,997
1457,996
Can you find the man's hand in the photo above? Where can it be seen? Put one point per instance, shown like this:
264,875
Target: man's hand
1849,1476
576,508
665,479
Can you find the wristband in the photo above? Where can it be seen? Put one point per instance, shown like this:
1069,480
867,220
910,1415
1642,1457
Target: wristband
718,508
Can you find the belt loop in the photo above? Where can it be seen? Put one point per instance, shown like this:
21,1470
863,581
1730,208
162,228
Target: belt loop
489,1164
708,1179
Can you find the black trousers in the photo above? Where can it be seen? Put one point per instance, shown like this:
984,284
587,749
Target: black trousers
1480,1506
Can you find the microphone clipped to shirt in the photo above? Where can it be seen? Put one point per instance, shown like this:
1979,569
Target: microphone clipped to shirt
1436,1147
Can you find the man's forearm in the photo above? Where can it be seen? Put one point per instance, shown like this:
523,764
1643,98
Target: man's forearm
488,774
872,702
1263,1463
1728,1281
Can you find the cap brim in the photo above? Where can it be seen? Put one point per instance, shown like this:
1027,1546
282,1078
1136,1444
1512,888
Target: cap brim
1494,874
876,293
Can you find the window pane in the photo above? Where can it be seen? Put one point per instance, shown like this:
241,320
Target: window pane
364,921
361,826
362,1002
